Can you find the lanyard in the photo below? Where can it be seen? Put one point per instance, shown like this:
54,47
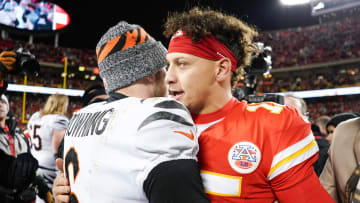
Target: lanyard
11,140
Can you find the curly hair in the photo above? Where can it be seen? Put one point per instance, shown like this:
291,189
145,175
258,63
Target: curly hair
232,32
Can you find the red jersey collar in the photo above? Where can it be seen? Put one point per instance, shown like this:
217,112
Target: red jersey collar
214,116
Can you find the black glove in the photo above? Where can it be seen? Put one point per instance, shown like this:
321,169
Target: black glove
44,192
16,174
6,163
23,171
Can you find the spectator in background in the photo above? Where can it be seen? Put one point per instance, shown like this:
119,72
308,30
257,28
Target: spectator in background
321,123
17,165
46,129
300,105
297,103
336,120
323,149
344,158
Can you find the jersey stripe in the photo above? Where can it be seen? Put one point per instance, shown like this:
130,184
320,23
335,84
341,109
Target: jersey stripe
163,115
293,155
201,127
170,105
221,184
49,169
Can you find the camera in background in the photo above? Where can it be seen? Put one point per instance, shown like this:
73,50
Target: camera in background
26,63
260,65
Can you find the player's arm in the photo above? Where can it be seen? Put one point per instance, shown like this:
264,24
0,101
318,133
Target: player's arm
307,190
292,176
57,136
166,141
175,181
59,128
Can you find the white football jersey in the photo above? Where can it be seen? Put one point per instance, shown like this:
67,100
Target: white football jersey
111,147
40,130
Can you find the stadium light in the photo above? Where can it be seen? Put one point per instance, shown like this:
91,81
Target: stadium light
294,2
44,90
79,93
81,68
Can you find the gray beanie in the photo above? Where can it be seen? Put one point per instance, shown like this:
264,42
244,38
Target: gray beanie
126,54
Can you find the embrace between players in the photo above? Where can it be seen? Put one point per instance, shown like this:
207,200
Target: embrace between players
201,144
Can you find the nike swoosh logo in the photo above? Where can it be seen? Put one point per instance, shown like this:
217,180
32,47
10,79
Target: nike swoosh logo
189,135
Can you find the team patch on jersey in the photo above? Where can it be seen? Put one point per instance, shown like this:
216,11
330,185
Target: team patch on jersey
244,157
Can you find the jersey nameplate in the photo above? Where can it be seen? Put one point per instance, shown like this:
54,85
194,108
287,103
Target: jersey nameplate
88,124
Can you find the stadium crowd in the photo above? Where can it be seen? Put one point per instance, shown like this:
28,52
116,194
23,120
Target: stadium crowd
330,41
309,81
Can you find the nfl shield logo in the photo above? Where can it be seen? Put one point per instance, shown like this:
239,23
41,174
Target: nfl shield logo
244,157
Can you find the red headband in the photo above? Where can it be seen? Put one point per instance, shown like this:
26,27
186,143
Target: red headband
208,48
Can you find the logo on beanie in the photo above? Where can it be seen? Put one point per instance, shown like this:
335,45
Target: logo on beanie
244,157
122,42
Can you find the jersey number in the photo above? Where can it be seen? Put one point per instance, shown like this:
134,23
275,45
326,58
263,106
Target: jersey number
276,109
36,136
71,159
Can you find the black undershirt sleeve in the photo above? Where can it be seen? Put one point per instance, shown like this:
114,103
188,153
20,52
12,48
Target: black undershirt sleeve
60,152
175,181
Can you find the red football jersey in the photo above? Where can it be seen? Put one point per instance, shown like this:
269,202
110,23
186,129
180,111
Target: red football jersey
253,152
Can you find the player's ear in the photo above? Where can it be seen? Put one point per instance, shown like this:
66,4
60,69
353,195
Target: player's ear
223,69
149,79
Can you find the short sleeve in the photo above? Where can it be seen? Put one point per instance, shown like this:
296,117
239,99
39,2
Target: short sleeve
166,133
295,152
60,123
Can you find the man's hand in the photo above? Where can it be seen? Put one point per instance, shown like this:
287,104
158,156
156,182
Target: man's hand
7,58
61,186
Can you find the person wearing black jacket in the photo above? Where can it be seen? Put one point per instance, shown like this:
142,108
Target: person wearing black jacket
17,165
18,180
323,149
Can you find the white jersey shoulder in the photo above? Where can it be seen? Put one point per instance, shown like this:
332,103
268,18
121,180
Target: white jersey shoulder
111,147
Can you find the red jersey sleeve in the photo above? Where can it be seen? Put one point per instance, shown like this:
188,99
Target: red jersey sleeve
291,175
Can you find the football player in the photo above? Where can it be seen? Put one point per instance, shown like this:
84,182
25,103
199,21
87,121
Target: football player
137,146
248,152
46,129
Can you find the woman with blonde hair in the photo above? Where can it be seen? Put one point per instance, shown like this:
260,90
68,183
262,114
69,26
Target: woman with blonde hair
47,128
